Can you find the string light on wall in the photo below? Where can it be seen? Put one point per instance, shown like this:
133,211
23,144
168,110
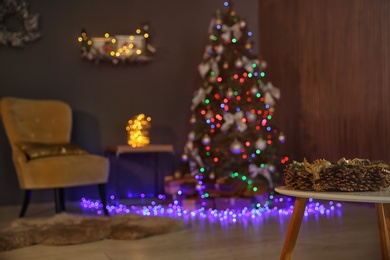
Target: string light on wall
118,49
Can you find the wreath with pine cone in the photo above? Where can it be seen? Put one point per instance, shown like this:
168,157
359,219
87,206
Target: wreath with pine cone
344,175
17,25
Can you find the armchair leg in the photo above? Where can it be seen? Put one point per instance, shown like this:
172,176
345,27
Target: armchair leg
58,200
102,194
26,201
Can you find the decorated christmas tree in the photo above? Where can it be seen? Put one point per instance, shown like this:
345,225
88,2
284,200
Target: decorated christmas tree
232,139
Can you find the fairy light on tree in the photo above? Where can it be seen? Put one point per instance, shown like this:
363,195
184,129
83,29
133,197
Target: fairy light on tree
231,129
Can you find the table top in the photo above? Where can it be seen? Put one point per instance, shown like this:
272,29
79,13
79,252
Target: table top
151,148
382,196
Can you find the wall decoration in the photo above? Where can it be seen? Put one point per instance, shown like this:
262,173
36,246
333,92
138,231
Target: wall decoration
17,25
117,49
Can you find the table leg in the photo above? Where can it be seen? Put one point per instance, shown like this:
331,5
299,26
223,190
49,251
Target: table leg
383,214
293,228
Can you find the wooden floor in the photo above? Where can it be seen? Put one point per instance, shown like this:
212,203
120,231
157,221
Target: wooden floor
348,233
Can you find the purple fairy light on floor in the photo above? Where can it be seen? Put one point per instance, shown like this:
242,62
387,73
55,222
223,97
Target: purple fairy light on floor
161,206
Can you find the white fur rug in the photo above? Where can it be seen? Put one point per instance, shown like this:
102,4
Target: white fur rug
69,229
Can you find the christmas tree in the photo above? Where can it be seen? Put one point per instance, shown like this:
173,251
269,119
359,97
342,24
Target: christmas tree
232,137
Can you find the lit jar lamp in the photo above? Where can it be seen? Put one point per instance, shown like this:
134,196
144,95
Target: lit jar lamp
138,131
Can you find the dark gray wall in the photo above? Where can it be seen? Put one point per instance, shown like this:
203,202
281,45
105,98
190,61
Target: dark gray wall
105,97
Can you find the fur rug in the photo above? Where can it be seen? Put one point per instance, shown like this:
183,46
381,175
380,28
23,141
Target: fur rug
69,229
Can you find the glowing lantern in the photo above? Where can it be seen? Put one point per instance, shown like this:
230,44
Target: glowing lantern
138,131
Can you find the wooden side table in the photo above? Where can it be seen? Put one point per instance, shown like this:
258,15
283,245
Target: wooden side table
380,198
152,148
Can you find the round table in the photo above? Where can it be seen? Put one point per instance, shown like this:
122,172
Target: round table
380,198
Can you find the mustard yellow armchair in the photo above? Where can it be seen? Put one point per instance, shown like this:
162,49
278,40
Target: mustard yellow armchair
39,134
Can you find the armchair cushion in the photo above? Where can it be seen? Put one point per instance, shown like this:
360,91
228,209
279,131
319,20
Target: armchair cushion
39,150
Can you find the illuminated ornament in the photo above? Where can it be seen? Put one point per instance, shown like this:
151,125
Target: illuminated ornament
282,138
251,117
177,174
238,63
236,147
225,65
184,158
242,24
254,90
260,144
206,139
220,49
212,175
138,131
229,93
193,119
248,46
212,79
263,65
272,168
209,114
191,136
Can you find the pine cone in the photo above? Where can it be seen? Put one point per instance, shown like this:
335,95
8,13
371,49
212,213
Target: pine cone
345,175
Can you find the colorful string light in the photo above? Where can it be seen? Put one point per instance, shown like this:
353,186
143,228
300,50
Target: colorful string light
274,206
232,107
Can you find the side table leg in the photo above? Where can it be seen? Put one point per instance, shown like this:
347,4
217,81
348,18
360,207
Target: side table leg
383,214
293,228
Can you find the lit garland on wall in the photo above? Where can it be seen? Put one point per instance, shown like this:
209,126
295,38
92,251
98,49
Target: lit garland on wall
118,49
